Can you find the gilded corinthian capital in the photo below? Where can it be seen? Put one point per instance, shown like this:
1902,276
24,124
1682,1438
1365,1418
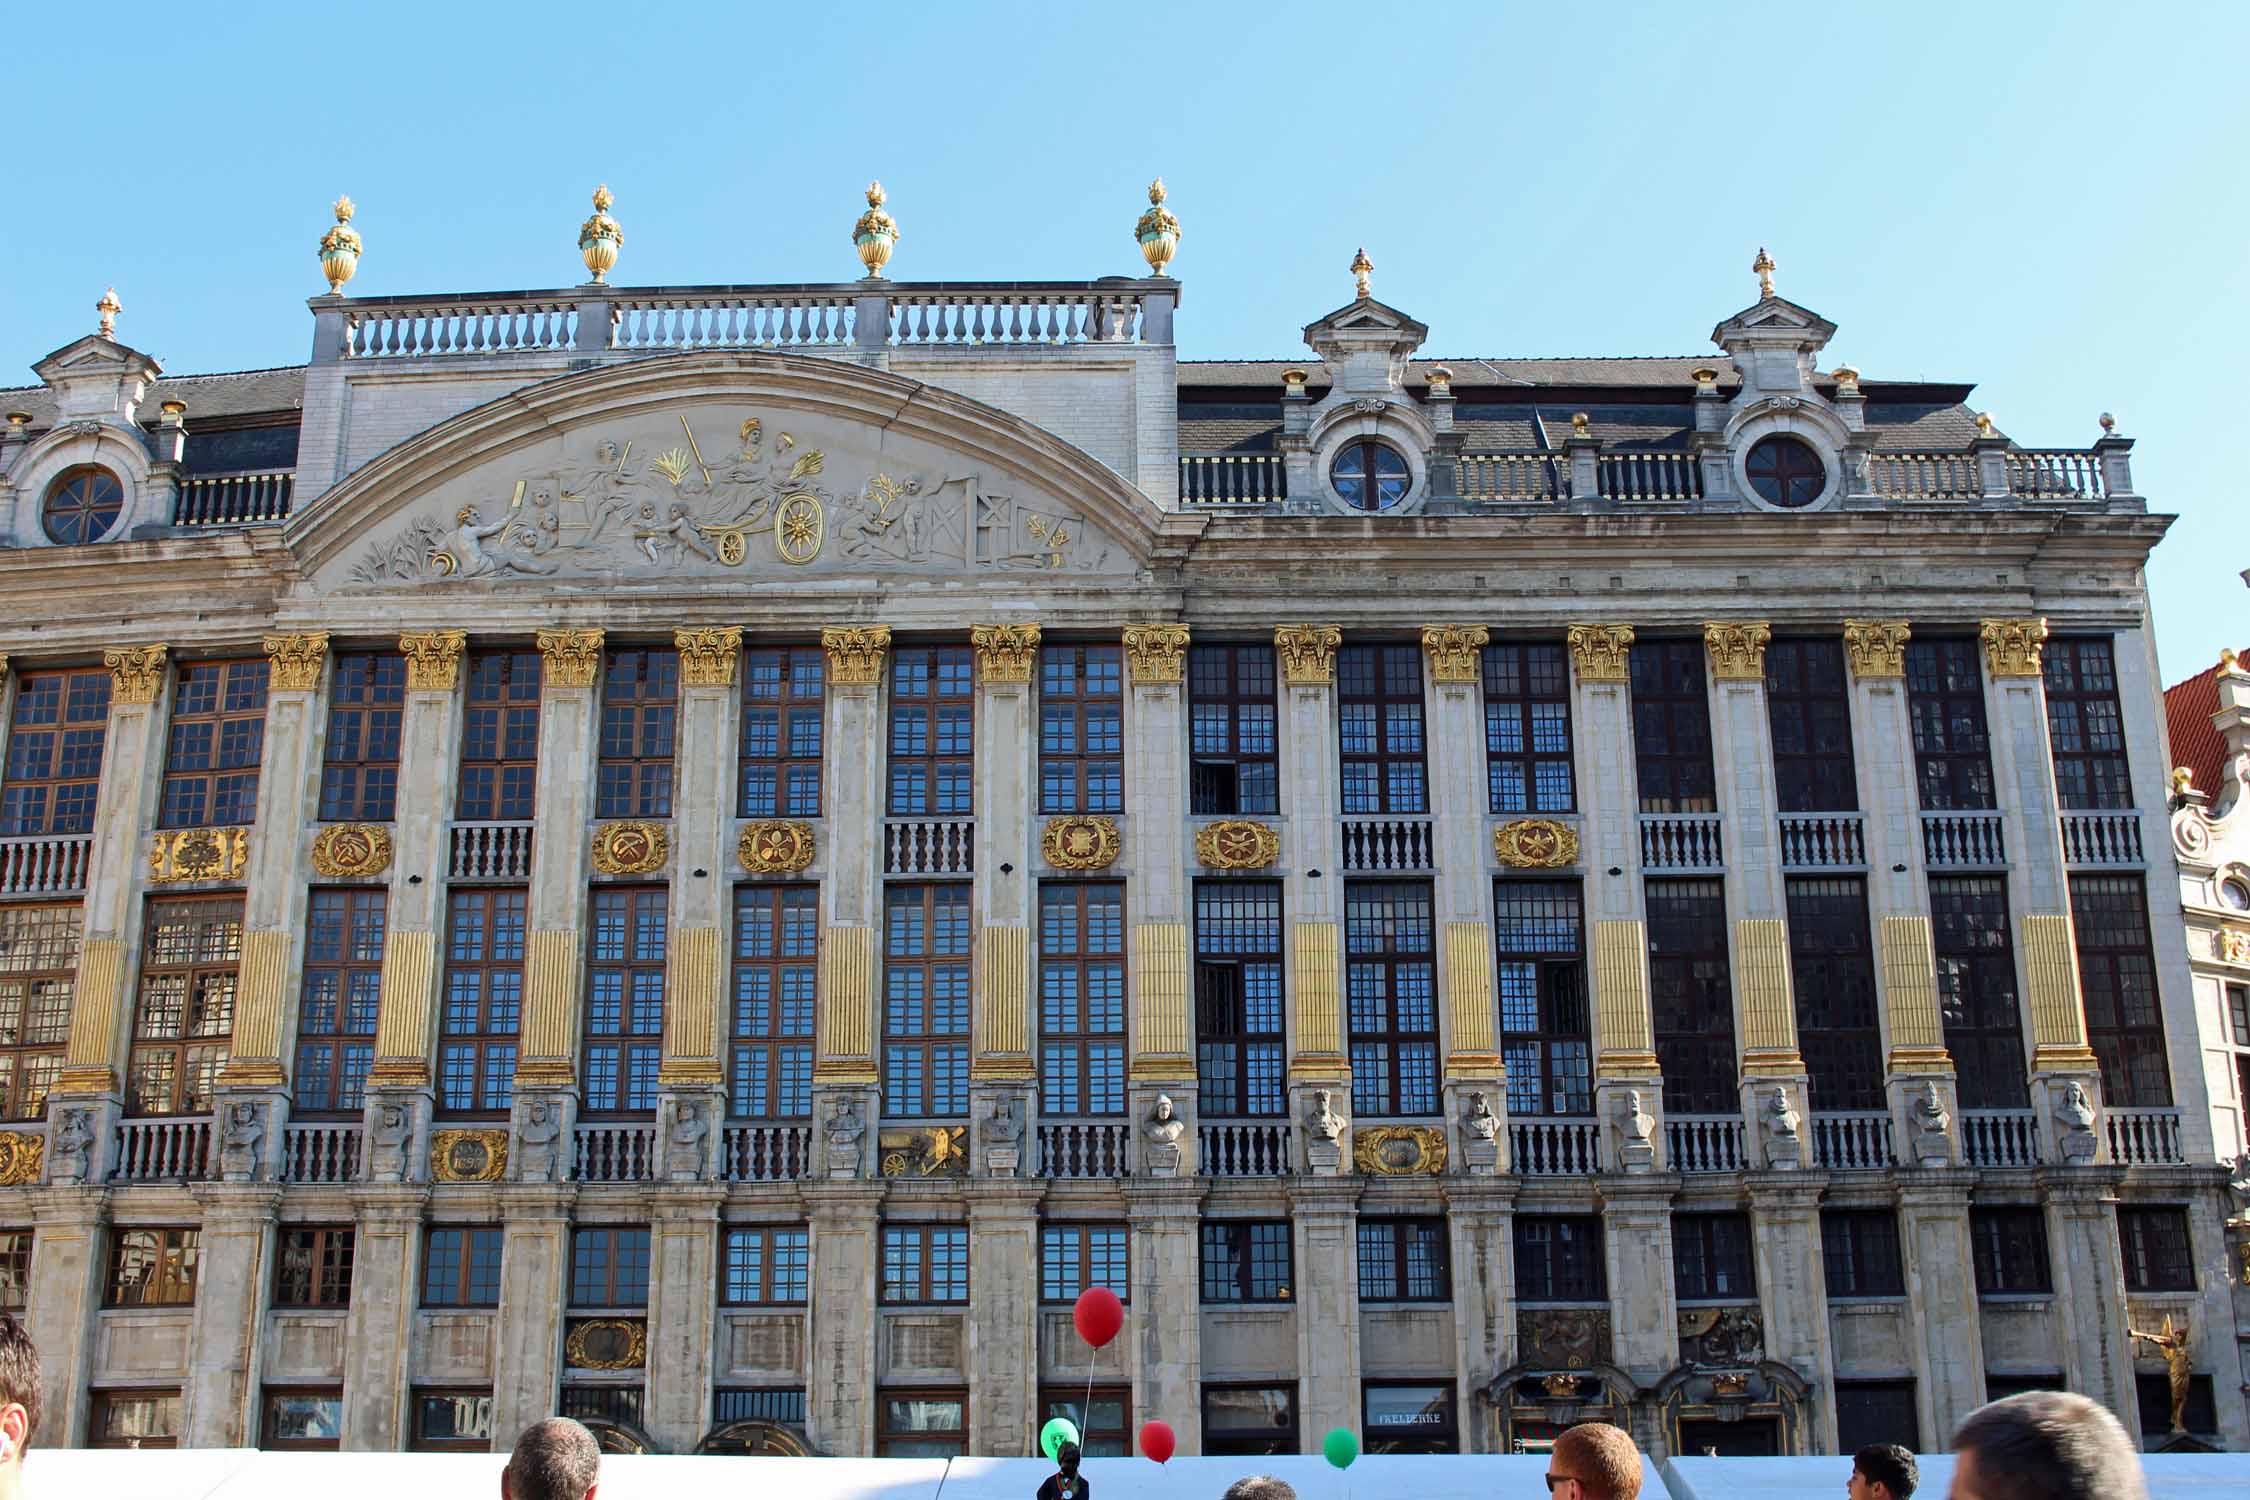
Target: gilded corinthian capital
1157,653
573,657
135,673
1453,651
297,660
2012,648
1877,648
1005,653
1737,649
1600,651
708,655
1308,653
433,659
855,653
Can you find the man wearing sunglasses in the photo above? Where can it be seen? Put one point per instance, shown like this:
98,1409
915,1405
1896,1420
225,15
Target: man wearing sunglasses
1594,1461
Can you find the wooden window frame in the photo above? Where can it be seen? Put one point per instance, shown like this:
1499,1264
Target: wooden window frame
344,932
784,1404
1390,997
889,1440
58,734
924,1265
1382,730
359,759
38,997
460,1260
784,699
312,1265
499,769
1098,1438
927,999
2086,723
640,726
613,1285
2157,1244
625,1000
1391,1274
419,1440
1425,1440
1712,1259
1528,745
1832,976
764,1265
1073,1257
2009,1248
1082,998
1081,728
1809,714
1952,738
208,988
1691,994
1240,1006
15,1269
1978,1000
1241,1442
1247,1261
82,505
173,1254
1862,1262
2109,919
480,1017
1234,731
1568,1262
933,737
212,751
269,1395
107,1401
1672,756
776,996
1542,979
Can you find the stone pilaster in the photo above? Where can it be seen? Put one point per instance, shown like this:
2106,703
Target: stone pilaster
534,1289
1637,1250
1004,1317
683,1256
1459,822
840,1359
844,1066
1480,1218
1793,1287
554,945
1313,895
692,1074
220,1409
379,1330
1165,1326
2089,1274
1945,1336
1001,1069
1163,1034
1324,1215
69,1227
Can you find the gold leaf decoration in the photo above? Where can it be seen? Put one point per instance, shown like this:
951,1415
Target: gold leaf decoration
607,1344
1081,843
199,854
351,850
22,1157
775,848
469,1155
1399,1150
1535,844
927,1151
630,848
1237,844
1600,652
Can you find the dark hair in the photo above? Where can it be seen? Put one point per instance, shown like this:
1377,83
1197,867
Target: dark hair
1260,1487
1890,1466
555,1459
1601,1458
2050,1445
19,1372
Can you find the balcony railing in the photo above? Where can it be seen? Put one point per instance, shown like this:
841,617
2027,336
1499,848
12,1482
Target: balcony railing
234,499
2000,1137
1646,476
1555,1148
1006,313
490,851
2145,1137
1681,841
1224,479
734,318
929,846
1963,841
320,1153
1703,1143
613,1153
2055,474
418,327
1515,478
44,865
2103,840
1856,1140
1244,1148
163,1151
1082,1148
1823,841
765,1153
1924,476
1388,844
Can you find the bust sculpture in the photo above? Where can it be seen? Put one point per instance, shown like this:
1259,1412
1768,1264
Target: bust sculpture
845,1131
394,1122
1326,1123
2075,1117
1785,1144
1636,1131
239,1134
2238,1183
536,1137
68,1159
1160,1137
1482,1122
683,1149
1933,1143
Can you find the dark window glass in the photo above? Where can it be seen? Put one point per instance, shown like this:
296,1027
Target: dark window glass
15,1269
1105,1426
499,737
2010,1249
213,747
1976,973
921,1424
782,1404
1403,1260
1559,1258
2152,1394
1860,1249
1539,935
1369,475
1832,971
609,1268
1081,998
1390,988
313,1268
925,1263
359,762
1952,748
1247,1260
1527,728
81,506
2117,977
452,1421
1409,1418
135,1419
477,1034
1711,1258
54,766
1073,1257
779,771
1691,995
38,980
1785,471
1249,1421
926,944
461,1267
614,1405
933,732
1808,704
183,1025
2158,1255
306,1419
640,718
625,999
152,1267
1875,1411
1238,998
2085,727
766,1266
1232,742
341,997
1672,728
776,986
1379,701
1081,729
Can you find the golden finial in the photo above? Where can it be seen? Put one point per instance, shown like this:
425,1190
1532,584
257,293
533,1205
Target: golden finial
109,307
1847,381
339,247
1293,382
1158,232
1581,425
2109,425
2183,781
600,237
876,233
2228,662
1985,428
1706,379
1440,379
1362,270
1763,268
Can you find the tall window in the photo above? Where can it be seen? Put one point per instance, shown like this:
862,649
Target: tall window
1073,1257
218,734
2158,1254
933,732
1403,1260
38,977
1081,729
925,1263
1105,1424
781,709
135,1419
152,1267
1952,748
1711,1257
1390,982
2117,977
15,1269
461,1267
1875,1411
609,1267
2084,724
2238,1025
1247,1260
640,719
766,1267
359,764
1238,999
343,986
1691,995
925,1000
452,1421
307,1419
499,738
625,999
1832,971
1808,704
1976,973
1379,697
55,743
1081,998
1527,728
2009,1246
477,1042
1232,739
1539,933
183,1025
921,1424
776,982
1672,728
313,1267
1559,1258
1249,1421
1859,1250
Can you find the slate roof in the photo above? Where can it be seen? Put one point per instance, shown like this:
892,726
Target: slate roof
235,393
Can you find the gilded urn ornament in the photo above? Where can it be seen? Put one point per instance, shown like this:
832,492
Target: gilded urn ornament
1158,232
351,850
1237,844
1535,844
630,848
876,233
339,247
1081,843
775,848
600,238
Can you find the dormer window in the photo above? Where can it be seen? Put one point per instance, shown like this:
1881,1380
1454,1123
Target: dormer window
1370,476
82,504
1785,471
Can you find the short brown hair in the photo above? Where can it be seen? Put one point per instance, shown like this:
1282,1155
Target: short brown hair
2050,1445
1260,1487
1601,1458
555,1459
19,1373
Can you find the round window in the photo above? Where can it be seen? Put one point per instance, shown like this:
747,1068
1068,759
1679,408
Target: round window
82,505
2235,893
1785,471
1370,476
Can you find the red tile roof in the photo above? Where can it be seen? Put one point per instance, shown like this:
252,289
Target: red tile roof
2188,707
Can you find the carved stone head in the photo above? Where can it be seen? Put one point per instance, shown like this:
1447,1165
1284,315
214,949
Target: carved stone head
1163,1110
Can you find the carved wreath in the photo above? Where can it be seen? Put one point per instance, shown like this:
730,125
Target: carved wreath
346,850
630,848
775,848
1399,1150
1535,844
607,1344
469,1155
1081,843
1237,845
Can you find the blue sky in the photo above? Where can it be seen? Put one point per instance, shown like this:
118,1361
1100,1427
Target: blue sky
2044,199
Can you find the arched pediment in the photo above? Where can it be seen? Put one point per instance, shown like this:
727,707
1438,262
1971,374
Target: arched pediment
743,466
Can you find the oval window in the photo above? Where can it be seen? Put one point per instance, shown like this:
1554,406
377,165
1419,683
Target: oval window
1785,471
81,505
1370,476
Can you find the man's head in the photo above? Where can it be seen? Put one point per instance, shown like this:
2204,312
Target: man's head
555,1459
1260,1487
19,1391
1882,1471
1594,1461
1066,1458
2045,1445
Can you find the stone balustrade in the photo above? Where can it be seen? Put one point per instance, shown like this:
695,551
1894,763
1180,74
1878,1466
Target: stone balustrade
320,1152
2144,1137
1229,479
1515,478
1704,1143
163,1150
44,865
1964,840
1852,1140
1245,1148
765,1153
2103,840
1823,841
2000,1137
929,846
613,1153
1640,476
247,499
489,851
1388,845
1555,1147
1083,1148
1673,842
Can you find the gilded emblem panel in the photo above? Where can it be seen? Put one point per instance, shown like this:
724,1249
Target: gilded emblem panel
1535,844
1081,843
199,854
1237,844
469,1155
1399,1150
631,848
345,851
926,1151
775,848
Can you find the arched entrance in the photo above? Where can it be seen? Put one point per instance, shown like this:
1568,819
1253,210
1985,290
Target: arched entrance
756,1439
620,1437
1750,1411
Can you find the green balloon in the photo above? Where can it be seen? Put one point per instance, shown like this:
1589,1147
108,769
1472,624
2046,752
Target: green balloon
1341,1446
1058,1431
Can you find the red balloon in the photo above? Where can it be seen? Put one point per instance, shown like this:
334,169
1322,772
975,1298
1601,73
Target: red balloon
1098,1315
1156,1440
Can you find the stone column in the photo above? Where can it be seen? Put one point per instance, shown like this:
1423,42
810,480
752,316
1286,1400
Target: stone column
274,897
379,1330
1459,820
1480,1218
682,1315
546,1105
1945,1337
2089,1270
534,1289
69,1229
1004,1317
1313,897
840,1357
225,1350
428,765
1898,894
1163,1055
1002,1075
844,1075
1164,1325
1793,1288
1637,1256
1325,1213
1609,802
116,874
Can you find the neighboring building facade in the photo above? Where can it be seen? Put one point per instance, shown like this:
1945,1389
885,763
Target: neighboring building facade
708,858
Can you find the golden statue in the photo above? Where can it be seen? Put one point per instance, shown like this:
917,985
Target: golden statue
2179,1365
